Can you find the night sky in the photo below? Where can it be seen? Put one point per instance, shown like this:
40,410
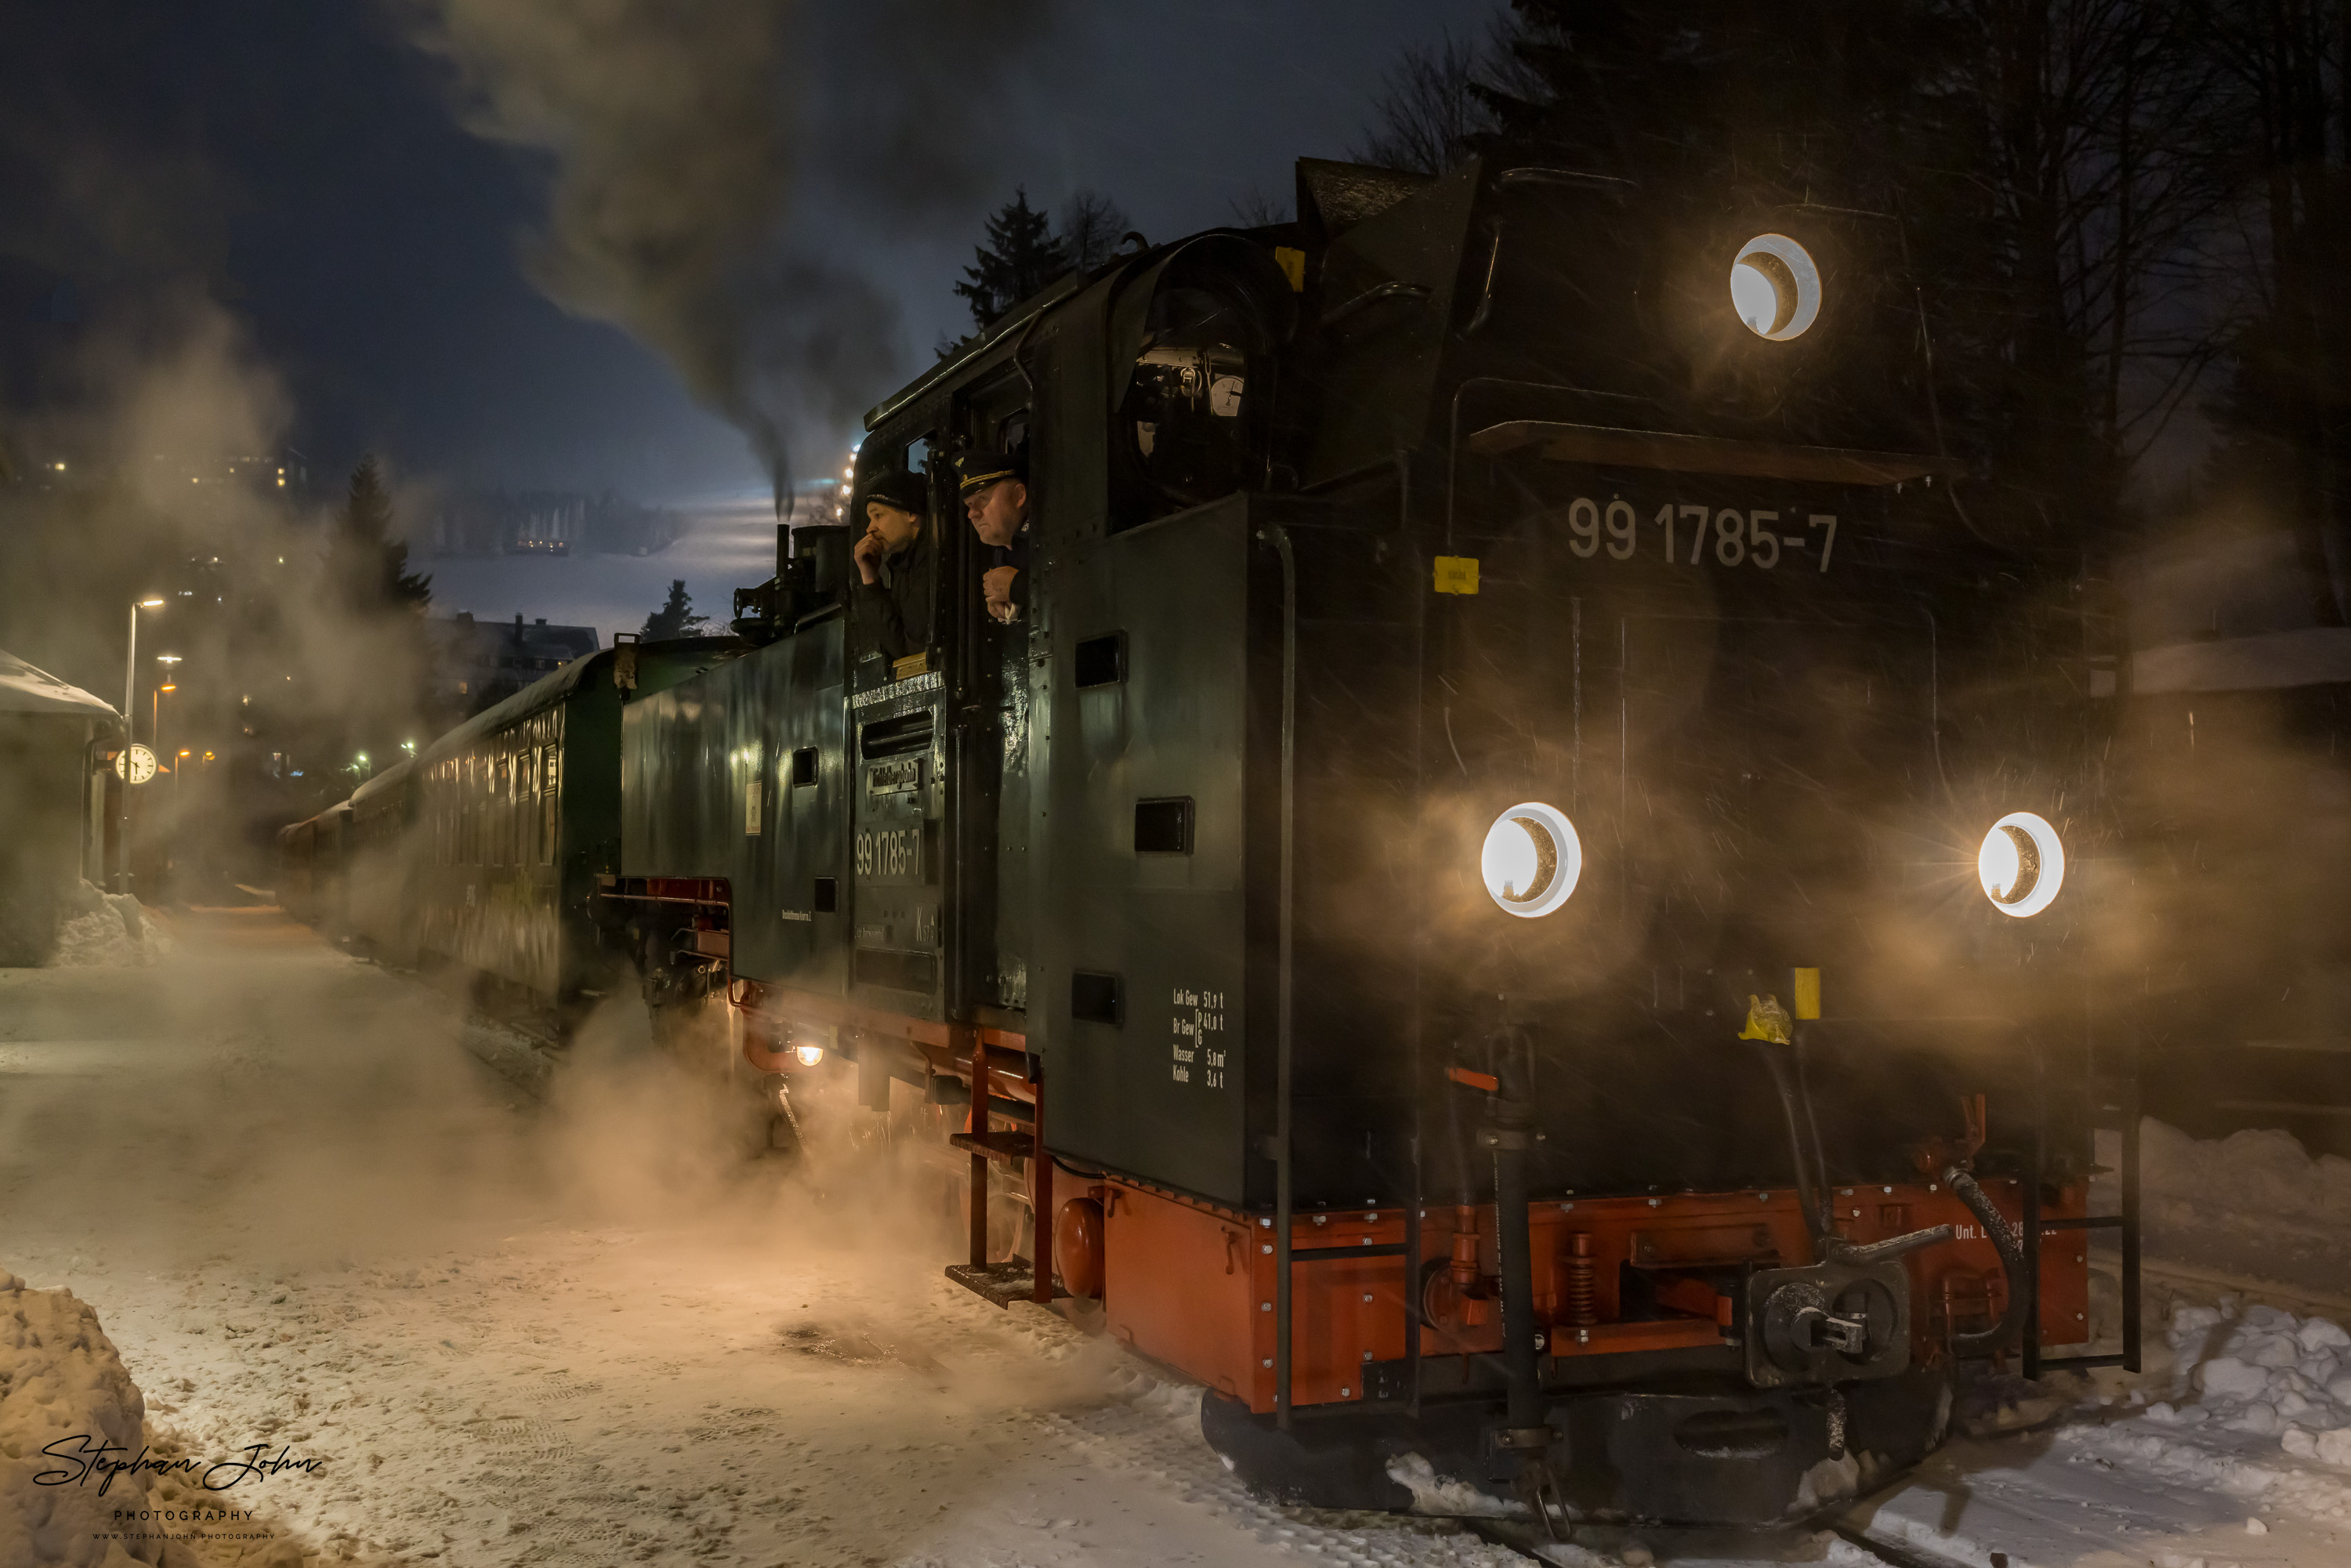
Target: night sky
305,161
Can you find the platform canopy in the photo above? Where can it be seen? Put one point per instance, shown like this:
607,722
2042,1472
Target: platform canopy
25,689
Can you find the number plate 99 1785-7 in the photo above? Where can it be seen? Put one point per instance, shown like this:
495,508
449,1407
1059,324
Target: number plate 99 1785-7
894,853
1693,535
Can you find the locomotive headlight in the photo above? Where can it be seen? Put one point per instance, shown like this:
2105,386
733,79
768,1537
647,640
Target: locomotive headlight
2022,864
1530,860
808,1055
1775,287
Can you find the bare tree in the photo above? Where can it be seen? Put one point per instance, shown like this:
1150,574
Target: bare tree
1092,227
1253,209
1429,109
2287,64
2087,128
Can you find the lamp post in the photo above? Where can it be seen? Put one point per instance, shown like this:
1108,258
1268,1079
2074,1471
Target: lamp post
155,709
130,695
155,739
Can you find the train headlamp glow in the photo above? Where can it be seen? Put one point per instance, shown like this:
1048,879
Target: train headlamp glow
808,1055
2022,864
1775,287
1530,860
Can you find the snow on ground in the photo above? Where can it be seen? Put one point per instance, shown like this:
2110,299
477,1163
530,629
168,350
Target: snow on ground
96,927
575,1333
581,1329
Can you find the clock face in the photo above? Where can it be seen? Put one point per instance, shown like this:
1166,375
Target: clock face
137,765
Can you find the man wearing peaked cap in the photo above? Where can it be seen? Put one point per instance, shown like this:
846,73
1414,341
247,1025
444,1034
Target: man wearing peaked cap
996,498
897,568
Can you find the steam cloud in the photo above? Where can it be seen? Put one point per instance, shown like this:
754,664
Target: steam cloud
684,139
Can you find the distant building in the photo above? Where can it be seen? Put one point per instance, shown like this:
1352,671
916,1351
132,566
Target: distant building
479,663
544,522
52,740
214,480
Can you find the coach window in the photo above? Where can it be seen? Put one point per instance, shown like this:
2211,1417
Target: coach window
550,776
529,805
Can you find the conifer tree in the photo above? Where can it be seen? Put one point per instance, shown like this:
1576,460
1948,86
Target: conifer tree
1021,257
677,617
365,561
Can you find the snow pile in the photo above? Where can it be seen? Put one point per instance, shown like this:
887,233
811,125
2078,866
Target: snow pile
2260,1410
60,1379
108,928
2252,1206
2269,1374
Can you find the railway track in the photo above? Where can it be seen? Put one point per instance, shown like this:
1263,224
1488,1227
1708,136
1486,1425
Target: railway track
1698,1548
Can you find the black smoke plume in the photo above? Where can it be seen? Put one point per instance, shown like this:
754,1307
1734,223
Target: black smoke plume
687,144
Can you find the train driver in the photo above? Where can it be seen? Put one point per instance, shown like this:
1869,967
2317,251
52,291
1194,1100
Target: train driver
897,568
996,499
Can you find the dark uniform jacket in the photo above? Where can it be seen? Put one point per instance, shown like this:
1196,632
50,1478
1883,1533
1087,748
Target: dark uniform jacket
1015,555
894,616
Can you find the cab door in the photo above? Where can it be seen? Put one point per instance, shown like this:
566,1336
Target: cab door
988,733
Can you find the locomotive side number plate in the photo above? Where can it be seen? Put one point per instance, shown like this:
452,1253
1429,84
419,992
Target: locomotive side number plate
891,853
1200,1051
1701,535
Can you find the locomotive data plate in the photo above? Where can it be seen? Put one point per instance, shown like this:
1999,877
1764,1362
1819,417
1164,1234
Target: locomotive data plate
897,776
1200,1051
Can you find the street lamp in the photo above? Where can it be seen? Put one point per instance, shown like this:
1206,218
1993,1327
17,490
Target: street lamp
155,704
130,695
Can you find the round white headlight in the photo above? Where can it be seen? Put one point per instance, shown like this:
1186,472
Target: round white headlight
1775,287
810,1055
1531,859
2022,864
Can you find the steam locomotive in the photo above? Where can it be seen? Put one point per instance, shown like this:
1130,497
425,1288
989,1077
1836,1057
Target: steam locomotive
1522,902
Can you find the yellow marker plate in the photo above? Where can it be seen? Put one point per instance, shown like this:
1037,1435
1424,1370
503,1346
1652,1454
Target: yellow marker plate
1808,993
1457,574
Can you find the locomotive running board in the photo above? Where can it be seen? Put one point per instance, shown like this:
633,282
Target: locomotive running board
1003,1283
